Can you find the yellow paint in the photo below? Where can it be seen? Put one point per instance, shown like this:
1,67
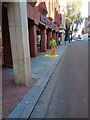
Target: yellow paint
50,56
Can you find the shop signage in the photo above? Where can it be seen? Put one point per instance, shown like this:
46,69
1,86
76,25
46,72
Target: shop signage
47,22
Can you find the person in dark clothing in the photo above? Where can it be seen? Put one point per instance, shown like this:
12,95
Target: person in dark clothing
68,39
65,39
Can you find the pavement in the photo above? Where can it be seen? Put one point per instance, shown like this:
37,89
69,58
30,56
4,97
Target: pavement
41,65
12,94
42,69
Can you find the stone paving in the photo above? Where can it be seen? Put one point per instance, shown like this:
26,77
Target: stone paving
41,65
12,94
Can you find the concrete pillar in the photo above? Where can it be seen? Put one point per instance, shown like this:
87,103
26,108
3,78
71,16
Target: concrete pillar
17,16
33,40
49,36
43,39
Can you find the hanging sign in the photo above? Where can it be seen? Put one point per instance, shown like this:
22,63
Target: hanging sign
47,22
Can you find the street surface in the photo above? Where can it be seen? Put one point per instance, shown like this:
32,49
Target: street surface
66,94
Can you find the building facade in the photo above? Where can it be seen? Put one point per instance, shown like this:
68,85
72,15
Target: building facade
63,12
62,27
86,25
89,20
26,30
86,29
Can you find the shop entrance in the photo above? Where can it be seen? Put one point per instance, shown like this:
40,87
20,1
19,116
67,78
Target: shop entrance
32,37
38,40
49,35
41,38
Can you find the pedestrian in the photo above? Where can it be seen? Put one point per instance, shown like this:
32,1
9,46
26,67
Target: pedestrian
59,40
68,39
65,39
53,46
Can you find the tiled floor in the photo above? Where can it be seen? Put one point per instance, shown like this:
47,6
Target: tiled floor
12,93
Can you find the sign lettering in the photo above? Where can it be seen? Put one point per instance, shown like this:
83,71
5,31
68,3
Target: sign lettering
47,22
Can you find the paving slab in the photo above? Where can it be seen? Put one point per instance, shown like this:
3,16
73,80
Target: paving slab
42,68
41,65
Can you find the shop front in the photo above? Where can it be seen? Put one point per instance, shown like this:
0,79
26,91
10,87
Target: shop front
25,33
41,29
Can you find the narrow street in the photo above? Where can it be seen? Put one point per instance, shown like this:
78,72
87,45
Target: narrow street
66,94
44,48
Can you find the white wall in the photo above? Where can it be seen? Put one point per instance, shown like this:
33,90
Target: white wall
89,8
85,36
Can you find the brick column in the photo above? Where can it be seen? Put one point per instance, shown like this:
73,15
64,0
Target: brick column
57,38
49,36
43,39
54,35
33,40
18,26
